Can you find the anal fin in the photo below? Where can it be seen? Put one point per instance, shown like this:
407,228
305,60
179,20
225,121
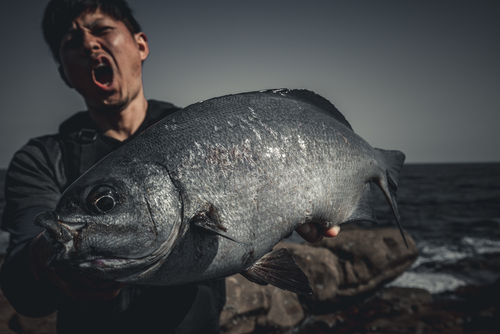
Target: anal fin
278,268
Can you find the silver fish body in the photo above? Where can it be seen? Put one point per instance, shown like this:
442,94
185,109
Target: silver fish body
208,191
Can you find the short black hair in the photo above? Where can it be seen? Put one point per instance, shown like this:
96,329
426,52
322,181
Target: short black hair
60,13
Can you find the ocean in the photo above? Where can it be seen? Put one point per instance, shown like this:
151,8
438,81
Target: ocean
452,211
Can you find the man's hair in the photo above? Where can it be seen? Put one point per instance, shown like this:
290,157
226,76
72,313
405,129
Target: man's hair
60,13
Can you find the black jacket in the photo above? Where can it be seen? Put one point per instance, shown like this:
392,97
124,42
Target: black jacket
36,178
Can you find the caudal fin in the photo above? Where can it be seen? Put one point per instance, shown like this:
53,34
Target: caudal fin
394,162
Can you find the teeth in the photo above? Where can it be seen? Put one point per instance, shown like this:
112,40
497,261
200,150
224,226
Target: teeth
105,75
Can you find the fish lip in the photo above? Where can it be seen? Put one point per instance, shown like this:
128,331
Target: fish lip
104,263
56,229
111,268
49,221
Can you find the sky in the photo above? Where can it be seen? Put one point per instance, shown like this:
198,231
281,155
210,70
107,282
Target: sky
421,76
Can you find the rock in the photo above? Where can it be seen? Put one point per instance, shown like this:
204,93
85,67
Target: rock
471,309
285,310
25,325
321,266
243,297
369,258
359,261
6,313
249,305
390,310
11,322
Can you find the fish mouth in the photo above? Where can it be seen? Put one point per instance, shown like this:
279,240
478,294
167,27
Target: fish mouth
62,236
55,230
102,73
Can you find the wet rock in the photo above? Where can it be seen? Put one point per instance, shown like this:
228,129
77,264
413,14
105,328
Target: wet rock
360,261
11,322
471,309
285,310
6,313
25,325
244,297
249,305
369,258
351,264
321,266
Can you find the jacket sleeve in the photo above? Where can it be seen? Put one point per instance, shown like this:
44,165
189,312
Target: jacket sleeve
33,184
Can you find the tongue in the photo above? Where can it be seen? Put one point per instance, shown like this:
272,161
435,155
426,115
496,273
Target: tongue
104,75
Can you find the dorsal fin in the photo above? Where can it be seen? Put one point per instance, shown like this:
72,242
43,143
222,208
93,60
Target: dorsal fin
314,99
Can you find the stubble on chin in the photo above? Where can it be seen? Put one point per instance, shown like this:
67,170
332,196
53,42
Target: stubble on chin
108,107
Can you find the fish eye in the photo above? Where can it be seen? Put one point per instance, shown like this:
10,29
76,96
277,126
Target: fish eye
102,199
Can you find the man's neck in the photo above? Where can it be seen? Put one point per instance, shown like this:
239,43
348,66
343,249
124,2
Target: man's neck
124,123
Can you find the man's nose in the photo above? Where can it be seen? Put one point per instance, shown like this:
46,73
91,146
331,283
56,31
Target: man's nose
90,44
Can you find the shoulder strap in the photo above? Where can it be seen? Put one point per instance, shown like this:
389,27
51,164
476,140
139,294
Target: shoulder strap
78,138
79,152
78,142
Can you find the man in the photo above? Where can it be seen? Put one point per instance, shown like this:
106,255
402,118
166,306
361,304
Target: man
99,48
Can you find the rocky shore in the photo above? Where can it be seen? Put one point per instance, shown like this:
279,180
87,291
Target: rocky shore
347,275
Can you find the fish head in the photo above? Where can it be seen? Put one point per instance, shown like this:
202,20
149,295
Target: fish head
115,222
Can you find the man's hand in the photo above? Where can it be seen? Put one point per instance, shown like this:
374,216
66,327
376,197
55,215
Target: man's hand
314,233
73,284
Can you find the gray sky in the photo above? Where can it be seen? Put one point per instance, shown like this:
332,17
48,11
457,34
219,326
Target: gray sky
422,77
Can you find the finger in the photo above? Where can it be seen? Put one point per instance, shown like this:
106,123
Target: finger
332,232
310,233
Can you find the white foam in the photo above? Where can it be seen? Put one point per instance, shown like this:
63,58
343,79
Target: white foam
432,282
481,245
439,253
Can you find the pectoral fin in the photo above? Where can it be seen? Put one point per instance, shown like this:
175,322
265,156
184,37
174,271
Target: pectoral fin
209,225
278,268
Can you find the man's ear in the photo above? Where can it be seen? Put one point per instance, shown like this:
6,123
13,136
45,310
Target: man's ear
63,76
142,43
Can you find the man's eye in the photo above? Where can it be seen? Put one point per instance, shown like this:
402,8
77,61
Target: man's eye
101,30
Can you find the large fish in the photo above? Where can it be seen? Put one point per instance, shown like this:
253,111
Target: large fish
208,191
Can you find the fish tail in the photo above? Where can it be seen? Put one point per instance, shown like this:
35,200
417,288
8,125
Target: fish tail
389,184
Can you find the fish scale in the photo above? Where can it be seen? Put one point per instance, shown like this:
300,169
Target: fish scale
209,191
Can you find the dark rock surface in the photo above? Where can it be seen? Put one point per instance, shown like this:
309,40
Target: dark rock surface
11,322
351,265
367,258
347,275
473,309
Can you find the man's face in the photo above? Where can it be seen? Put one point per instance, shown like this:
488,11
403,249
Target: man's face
102,60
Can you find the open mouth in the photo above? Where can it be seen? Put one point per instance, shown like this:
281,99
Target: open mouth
103,73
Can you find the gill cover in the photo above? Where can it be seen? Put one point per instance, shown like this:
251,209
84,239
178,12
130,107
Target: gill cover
165,207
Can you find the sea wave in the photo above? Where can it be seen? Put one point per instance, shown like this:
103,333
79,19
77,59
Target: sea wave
431,252
433,282
481,245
